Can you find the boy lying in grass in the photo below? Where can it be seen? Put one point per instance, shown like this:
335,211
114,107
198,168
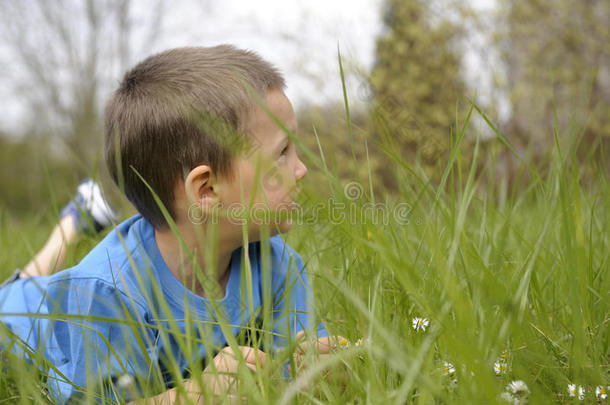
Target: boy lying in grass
196,138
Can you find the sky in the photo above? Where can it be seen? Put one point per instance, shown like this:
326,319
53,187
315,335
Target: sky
301,38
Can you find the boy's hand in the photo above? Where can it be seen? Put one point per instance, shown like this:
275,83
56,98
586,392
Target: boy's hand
323,345
219,379
323,348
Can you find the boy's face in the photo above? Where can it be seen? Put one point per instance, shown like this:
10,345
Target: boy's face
265,180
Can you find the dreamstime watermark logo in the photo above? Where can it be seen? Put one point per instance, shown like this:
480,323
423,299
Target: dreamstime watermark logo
347,210
272,179
353,190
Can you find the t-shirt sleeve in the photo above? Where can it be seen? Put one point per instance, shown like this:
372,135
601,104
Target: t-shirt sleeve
293,307
99,346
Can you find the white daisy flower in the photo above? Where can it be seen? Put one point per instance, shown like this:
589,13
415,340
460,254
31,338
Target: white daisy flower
576,391
601,392
343,343
500,367
420,324
125,381
448,368
518,387
360,342
572,390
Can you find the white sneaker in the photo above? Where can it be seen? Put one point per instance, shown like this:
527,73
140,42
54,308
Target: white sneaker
90,208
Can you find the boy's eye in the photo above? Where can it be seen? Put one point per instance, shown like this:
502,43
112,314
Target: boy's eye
284,151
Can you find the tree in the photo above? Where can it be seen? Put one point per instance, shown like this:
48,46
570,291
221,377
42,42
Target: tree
62,56
416,80
557,56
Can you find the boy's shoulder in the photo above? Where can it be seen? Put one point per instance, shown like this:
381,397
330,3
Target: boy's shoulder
126,243
110,264
280,248
284,257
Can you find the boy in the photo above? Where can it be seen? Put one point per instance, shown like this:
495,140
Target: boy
187,274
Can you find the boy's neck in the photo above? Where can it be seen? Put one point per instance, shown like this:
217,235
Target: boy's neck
181,267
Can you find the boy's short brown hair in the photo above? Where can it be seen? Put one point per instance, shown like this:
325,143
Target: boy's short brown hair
176,110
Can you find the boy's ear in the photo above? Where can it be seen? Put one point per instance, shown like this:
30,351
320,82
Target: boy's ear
200,186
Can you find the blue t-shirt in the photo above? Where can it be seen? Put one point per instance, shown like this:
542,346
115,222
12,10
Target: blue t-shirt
162,327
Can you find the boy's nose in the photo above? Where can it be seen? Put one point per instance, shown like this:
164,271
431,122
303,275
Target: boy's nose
301,170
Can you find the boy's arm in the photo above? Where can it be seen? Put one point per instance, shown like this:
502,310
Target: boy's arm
315,351
96,337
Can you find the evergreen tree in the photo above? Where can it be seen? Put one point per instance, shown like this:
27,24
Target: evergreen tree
416,81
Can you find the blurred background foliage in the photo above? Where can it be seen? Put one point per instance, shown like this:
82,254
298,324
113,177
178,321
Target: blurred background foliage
557,56
67,56
552,59
552,65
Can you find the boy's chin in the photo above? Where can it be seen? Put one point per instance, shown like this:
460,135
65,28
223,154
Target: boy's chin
256,231
276,228
284,226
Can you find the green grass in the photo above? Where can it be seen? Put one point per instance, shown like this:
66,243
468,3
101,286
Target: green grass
520,275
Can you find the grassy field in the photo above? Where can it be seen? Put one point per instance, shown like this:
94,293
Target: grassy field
457,291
